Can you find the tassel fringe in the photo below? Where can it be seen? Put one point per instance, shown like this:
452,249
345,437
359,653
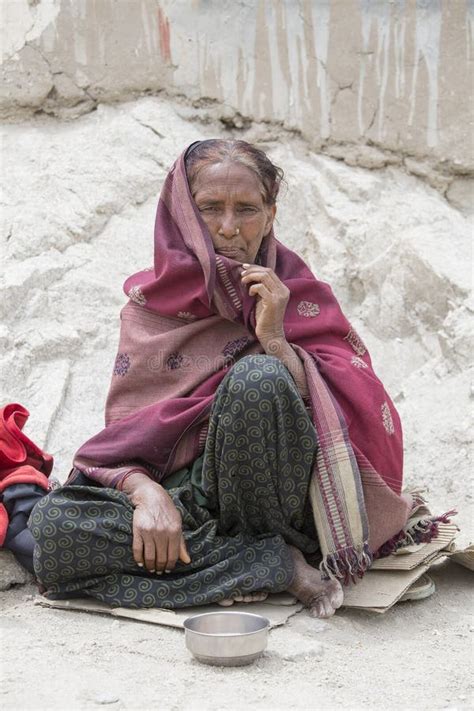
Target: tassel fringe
346,564
422,531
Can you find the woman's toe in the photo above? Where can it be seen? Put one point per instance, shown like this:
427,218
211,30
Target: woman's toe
316,610
250,597
322,608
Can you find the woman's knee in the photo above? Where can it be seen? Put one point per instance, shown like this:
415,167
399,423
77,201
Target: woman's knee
261,372
80,531
43,517
63,524
45,524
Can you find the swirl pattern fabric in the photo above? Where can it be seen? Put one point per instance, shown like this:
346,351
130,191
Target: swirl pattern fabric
245,499
187,320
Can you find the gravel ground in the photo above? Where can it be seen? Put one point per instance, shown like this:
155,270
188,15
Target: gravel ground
417,655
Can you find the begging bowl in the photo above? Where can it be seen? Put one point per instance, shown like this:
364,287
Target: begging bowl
226,638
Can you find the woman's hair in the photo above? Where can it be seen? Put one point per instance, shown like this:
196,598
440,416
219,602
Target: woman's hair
218,150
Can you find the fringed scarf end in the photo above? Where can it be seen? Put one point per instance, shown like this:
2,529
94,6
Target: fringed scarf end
346,564
423,531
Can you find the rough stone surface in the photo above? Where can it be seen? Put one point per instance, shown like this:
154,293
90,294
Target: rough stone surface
11,572
78,214
461,195
78,219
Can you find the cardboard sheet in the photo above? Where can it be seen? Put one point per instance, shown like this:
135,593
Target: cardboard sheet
409,558
278,609
389,578
378,591
463,557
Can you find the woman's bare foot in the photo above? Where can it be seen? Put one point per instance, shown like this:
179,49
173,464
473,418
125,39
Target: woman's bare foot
251,597
323,597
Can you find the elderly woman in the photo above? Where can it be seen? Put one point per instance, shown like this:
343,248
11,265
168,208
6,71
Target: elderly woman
249,447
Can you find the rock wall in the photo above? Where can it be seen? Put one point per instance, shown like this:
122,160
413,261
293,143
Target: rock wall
79,211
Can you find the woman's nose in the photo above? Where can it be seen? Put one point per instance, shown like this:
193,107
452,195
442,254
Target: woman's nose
229,224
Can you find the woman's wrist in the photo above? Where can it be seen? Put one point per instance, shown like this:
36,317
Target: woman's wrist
278,346
138,486
272,342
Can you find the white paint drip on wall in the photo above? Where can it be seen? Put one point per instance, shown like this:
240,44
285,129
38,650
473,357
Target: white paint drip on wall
80,49
146,28
383,24
202,57
427,36
427,43
383,17
279,84
320,21
79,12
88,35
378,14
233,43
297,63
399,29
229,74
366,23
100,34
469,28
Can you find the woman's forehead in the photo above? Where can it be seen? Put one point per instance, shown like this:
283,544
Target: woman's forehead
221,178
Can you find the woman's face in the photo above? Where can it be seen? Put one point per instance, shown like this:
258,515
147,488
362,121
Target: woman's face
228,196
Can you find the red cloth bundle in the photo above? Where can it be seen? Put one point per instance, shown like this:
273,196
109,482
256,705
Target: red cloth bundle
21,460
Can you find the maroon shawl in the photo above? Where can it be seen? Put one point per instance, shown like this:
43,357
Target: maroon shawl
187,321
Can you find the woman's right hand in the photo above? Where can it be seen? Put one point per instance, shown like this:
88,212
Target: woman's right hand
157,526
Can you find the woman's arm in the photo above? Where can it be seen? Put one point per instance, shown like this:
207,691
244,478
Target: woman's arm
272,297
280,348
157,527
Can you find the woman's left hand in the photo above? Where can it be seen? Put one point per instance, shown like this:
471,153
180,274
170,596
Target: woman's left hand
272,300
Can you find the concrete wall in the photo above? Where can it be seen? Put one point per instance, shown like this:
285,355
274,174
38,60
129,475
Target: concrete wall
389,74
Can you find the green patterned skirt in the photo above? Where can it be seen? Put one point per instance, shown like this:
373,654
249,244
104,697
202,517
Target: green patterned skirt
241,502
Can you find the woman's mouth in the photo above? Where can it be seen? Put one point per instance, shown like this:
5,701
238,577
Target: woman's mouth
230,252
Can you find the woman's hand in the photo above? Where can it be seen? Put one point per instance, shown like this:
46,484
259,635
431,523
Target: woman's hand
157,534
272,300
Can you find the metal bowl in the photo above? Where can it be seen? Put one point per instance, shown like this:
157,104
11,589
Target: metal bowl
226,638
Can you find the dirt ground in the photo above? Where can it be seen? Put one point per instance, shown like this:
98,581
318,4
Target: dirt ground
417,655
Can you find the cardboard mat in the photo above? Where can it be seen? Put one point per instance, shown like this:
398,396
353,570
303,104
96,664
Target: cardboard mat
277,608
380,588
389,578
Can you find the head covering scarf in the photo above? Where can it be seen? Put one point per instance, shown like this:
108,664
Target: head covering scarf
187,321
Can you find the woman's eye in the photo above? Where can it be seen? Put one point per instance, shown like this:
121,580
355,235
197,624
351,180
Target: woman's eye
247,209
